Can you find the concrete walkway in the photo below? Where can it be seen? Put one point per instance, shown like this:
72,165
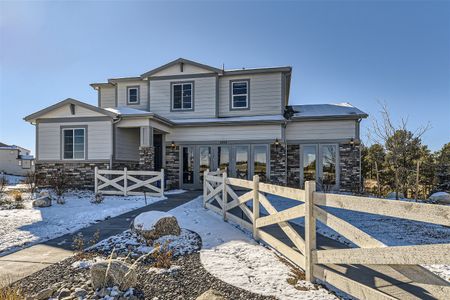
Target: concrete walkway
25,262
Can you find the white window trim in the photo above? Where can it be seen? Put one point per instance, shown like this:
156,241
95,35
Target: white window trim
73,144
233,95
182,102
137,88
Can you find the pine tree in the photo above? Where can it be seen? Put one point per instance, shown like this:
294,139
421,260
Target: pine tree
443,168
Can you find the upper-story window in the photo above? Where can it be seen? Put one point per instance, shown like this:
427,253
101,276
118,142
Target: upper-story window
182,96
240,94
133,95
74,143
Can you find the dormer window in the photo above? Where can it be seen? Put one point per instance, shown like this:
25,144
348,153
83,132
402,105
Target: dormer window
182,96
239,94
133,95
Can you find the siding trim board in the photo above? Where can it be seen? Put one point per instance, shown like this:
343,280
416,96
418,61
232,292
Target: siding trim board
172,77
73,119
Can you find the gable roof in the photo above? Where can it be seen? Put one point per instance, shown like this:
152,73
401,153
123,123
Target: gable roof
65,102
181,60
327,111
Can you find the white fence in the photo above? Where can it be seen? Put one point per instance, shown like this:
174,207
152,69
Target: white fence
319,263
125,182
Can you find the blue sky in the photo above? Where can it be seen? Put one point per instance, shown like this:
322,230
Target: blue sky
359,52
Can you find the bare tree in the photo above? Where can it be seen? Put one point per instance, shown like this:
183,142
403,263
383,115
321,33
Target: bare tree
60,182
32,181
3,183
402,146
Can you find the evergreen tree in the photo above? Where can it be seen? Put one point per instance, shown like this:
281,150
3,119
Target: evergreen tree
443,168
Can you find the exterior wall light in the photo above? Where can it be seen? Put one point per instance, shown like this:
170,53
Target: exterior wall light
173,145
277,142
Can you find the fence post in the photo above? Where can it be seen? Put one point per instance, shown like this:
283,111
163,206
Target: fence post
224,196
255,205
125,182
310,229
162,182
95,180
205,191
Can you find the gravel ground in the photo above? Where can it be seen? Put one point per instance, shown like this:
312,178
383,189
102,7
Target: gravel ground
189,282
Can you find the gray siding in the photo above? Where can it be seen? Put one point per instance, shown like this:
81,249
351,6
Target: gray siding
143,94
99,140
127,143
204,98
265,95
107,97
321,130
9,163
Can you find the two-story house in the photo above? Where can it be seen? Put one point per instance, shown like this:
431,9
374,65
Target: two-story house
15,160
187,117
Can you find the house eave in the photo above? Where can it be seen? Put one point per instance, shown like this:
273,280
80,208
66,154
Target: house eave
329,117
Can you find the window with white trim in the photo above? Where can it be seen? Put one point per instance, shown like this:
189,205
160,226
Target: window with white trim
133,95
182,96
239,94
74,143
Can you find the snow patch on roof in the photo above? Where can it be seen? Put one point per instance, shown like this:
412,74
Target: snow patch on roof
327,110
126,110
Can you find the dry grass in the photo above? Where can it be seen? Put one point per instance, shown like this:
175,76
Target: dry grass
8,292
162,256
78,245
16,195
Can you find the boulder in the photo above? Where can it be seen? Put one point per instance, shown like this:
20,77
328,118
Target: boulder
42,202
391,195
43,294
113,273
152,225
211,295
44,193
440,197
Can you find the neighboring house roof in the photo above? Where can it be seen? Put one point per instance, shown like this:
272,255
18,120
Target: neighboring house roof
327,111
177,61
37,114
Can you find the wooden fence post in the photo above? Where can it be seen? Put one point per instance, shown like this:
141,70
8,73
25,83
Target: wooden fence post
95,179
162,182
255,205
310,229
205,190
224,196
125,182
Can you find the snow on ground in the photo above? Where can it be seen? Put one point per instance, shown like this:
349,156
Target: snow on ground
24,227
232,256
174,192
13,179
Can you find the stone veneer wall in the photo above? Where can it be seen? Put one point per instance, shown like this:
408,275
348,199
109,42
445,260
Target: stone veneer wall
278,164
121,164
147,158
293,166
349,167
82,174
172,169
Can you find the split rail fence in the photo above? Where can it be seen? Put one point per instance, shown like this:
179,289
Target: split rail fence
220,195
125,182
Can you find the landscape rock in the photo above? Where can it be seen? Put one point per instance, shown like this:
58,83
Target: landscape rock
211,294
113,273
80,293
65,292
152,225
43,294
440,197
45,201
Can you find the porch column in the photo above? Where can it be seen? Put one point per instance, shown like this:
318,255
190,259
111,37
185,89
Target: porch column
146,149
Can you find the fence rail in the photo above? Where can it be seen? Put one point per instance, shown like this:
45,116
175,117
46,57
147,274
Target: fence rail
129,182
220,196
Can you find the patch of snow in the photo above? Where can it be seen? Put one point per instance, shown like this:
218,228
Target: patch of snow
234,257
86,264
172,270
174,192
122,110
147,220
13,179
24,227
440,194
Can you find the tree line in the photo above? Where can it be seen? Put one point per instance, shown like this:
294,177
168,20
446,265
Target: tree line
397,161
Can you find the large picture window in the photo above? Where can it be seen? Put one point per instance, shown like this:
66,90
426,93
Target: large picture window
240,94
74,143
182,96
329,158
260,162
309,163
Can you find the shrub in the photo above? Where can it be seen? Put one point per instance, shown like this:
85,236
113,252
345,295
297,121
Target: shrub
3,184
17,195
162,256
32,181
61,183
98,198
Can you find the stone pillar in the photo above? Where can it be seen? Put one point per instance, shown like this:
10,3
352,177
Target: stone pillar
278,164
172,169
349,168
147,158
293,166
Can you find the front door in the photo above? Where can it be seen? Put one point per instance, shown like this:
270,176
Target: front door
195,160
